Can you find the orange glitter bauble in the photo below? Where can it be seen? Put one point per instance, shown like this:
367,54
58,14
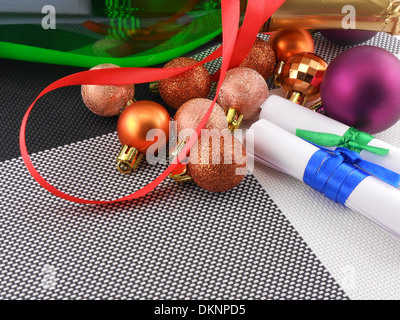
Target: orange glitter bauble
194,83
245,90
287,43
261,58
219,164
138,119
192,112
106,101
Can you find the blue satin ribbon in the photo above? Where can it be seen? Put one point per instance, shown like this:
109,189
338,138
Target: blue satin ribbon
336,174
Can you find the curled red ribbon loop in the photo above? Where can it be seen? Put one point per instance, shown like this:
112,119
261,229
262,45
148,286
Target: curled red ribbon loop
236,45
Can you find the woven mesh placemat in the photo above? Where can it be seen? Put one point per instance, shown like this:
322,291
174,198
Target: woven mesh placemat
178,242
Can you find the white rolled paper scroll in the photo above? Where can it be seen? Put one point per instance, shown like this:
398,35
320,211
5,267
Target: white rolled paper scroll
279,149
290,116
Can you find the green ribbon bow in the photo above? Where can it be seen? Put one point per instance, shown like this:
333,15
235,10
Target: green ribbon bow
353,139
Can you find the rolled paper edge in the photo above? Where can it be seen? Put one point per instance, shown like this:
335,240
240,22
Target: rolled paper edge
372,198
290,117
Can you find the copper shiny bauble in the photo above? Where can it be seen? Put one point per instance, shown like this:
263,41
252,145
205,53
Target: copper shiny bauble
106,101
217,167
245,90
194,83
287,43
138,119
190,114
303,73
261,58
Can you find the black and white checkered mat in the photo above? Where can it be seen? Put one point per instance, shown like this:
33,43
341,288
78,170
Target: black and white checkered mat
262,240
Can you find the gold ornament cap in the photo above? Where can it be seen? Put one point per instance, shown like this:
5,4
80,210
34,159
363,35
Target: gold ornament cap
234,119
154,87
128,159
180,174
277,74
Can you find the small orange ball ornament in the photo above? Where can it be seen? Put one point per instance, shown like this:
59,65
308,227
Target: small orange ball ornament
133,125
218,163
192,112
287,43
106,101
301,77
244,90
261,58
194,83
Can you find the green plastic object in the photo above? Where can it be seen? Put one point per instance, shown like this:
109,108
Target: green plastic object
130,33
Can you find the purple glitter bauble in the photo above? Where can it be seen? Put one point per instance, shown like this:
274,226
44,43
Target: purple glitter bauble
361,89
348,37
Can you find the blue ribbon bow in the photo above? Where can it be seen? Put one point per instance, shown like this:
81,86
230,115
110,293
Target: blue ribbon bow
337,174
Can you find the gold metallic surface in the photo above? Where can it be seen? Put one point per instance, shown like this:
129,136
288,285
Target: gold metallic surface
234,119
179,174
176,150
154,87
138,119
128,159
303,73
316,106
287,43
106,101
216,177
261,58
194,83
296,97
190,114
245,90
373,15
277,74
182,176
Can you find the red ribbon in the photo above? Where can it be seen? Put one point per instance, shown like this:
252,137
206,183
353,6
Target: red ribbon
236,45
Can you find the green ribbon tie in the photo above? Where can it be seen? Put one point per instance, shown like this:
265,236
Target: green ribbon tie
353,139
